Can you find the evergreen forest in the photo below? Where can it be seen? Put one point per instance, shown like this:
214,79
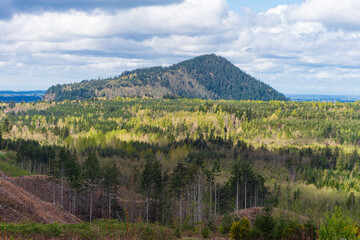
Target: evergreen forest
176,167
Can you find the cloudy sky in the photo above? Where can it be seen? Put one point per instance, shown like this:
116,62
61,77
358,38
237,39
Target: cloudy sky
296,46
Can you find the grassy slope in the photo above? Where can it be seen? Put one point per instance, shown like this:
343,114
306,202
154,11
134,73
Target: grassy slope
95,230
8,165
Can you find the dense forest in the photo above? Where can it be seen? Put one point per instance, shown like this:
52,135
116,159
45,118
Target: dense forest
206,77
194,165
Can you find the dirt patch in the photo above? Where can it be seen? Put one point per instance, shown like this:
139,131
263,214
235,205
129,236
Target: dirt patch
251,214
17,204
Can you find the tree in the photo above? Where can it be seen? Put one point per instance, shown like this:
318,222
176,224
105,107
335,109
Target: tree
12,104
337,227
178,183
73,175
235,183
1,140
111,176
265,224
151,183
63,158
91,175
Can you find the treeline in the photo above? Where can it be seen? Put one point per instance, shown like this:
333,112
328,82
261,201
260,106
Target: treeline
189,191
164,121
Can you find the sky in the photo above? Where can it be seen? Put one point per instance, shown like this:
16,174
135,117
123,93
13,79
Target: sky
296,46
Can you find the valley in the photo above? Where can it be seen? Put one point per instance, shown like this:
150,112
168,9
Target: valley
185,163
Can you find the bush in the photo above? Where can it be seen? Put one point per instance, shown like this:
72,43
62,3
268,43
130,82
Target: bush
177,233
240,230
338,227
265,224
205,232
226,223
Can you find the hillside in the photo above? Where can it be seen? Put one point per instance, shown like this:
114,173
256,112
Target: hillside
206,77
18,205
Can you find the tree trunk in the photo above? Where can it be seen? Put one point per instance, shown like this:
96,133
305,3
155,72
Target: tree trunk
256,195
237,192
91,204
53,193
199,199
210,208
70,203
245,192
215,197
62,187
109,201
147,208
74,203
194,208
180,209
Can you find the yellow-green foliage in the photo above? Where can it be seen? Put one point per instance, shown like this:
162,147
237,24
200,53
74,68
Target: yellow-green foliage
337,227
240,230
8,166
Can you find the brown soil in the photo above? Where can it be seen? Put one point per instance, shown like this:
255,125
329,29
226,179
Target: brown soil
49,191
251,213
17,204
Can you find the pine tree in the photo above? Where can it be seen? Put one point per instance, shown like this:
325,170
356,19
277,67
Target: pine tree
151,183
73,175
111,176
1,140
91,174
178,182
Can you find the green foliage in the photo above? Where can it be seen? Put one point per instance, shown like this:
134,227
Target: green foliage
177,233
205,232
264,224
240,230
91,172
9,166
103,229
226,223
337,227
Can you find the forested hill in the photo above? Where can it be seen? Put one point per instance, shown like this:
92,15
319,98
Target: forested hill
206,77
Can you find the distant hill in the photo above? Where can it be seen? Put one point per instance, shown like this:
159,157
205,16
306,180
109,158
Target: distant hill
206,77
19,96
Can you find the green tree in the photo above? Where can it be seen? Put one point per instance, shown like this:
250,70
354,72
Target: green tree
151,184
91,175
74,176
178,184
265,224
111,176
337,227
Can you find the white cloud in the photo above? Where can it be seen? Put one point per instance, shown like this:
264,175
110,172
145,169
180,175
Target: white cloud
296,48
337,13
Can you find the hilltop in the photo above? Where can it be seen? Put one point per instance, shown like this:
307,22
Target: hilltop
205,77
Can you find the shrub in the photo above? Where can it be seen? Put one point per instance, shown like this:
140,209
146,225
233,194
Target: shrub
240,230
265,224
338,227
226,223
205,232
177,233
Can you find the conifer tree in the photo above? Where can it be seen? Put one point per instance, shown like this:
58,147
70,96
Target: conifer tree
151,182
111,176
91,174
178,182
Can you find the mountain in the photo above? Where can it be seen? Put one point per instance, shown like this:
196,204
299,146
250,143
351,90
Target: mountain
19,96
206,77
